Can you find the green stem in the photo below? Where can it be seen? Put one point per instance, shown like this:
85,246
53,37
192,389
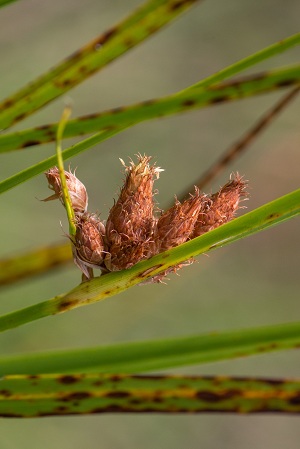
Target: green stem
60,162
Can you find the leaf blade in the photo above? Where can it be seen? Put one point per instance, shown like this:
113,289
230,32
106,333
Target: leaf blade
85,394
98,289
160,354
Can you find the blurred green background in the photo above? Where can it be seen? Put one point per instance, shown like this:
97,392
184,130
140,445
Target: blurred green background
250,283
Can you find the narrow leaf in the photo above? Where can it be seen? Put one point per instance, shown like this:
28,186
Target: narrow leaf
148,19
114,283
153,355
37,396
38,261
194,97
116,121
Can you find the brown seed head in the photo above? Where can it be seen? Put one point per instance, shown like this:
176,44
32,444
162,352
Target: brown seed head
130,224
221,206
176,225
77,190
89,242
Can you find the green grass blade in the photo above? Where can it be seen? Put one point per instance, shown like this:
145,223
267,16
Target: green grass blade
6,2
37,261
153,355
246,63
190,98
43,395
118,120
114,283
147,20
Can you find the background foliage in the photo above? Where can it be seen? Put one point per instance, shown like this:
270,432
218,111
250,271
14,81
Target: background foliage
243,285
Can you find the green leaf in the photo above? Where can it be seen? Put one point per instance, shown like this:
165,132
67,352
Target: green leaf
115,121
114,283
194,97
147,20
36,396
145,356
6,2
37,261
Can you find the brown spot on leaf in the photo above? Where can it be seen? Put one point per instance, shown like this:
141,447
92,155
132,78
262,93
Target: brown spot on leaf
11,415
274,382
107,36
90,117
286,83
30,143
61,410
5,393
66,305
129,42
76,396
20,117
116,378
210,396
273,216
107,292
8,103
67,380
268,347
188,103
117,394
220,99
74,56
83,69
179,4
295,400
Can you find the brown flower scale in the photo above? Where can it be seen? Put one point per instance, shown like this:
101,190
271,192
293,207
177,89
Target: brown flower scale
220,207
88,247
133,232
130,224
177,224
77,191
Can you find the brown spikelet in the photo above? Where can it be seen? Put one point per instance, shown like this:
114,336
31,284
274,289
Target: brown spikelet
221,206
89,249
129,228
176,225
77,190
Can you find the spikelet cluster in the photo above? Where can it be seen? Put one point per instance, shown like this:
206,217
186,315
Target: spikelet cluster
134,231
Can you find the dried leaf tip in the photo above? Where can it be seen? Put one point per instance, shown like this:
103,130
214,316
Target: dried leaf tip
77,190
